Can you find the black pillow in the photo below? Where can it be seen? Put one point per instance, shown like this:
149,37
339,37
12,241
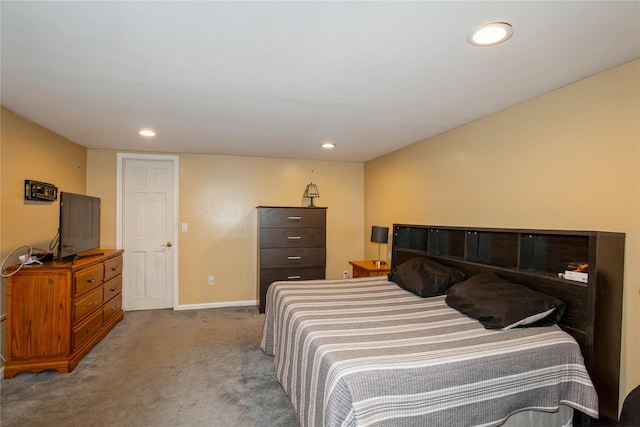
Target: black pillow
425,277
500,304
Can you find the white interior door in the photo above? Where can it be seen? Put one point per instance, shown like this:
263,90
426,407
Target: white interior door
148,206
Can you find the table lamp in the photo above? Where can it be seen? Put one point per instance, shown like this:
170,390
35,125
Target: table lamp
311,192
379,235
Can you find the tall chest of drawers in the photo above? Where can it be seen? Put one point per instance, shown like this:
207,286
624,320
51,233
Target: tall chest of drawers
291,246
57,312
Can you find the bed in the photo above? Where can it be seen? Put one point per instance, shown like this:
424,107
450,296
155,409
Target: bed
365,352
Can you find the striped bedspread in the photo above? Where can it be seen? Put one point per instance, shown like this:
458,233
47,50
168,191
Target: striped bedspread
364,352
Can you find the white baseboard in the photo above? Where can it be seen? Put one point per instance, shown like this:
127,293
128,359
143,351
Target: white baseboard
1,374
216,305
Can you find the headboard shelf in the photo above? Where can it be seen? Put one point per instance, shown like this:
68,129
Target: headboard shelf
535,258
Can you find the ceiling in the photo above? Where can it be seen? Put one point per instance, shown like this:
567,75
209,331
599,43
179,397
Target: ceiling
277,79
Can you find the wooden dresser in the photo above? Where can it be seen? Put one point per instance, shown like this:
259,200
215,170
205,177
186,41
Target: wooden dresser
291,246
57,312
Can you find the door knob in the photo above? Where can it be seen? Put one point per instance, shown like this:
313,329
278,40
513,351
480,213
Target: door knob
169,244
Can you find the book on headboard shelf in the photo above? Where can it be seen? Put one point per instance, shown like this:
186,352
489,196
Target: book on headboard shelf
577,271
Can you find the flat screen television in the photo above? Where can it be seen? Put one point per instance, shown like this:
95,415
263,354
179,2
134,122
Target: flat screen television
79,224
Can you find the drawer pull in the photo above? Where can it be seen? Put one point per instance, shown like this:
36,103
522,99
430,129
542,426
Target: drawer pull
90,280
294,277
294,237
114,268
294,257
90,303
113,289
295,218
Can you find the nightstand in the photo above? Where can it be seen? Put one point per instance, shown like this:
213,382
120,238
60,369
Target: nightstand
369,268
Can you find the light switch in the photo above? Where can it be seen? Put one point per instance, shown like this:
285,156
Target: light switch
185,227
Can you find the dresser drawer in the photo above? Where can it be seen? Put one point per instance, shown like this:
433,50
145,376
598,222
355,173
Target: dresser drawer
292,238
112,288
86,329
111,308
112,267
86,304
88,279
292,257
270,275
292,217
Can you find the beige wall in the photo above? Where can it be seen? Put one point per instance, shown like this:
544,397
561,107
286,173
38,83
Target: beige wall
218,199
30,151
567,160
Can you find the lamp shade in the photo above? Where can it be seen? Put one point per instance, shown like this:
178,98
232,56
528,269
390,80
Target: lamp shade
379,234
312,191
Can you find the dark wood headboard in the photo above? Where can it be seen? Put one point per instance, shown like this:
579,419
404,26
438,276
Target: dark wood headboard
535,258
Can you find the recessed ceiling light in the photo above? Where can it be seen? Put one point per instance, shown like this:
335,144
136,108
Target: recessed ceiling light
147,132
328,145
491,34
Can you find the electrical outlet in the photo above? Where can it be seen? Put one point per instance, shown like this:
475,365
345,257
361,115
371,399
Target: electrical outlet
211,280
345,274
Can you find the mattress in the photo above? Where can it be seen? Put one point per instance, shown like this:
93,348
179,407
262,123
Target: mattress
364,352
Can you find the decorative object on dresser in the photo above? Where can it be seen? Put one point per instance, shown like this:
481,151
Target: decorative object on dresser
311,192
58,311
368,269
291,245
379,235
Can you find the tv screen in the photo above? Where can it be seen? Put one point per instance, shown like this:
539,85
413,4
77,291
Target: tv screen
79,224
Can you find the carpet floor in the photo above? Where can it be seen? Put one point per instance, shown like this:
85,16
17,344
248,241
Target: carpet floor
160,368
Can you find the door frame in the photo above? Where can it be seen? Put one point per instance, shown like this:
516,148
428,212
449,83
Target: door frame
175,160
